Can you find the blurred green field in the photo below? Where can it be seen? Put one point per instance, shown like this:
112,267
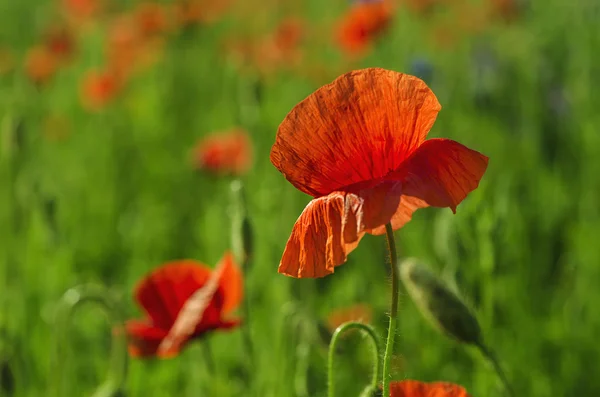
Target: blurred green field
105,196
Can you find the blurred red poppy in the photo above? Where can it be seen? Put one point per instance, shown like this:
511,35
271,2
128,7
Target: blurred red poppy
40,64
81,10
414,388
224,153
363,23
183,300
151,19
59,40
98,88
361,313
358,147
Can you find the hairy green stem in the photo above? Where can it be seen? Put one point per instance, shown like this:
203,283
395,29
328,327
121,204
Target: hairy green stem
389,346
70,302
332,346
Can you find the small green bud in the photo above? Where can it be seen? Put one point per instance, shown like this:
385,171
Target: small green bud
442,307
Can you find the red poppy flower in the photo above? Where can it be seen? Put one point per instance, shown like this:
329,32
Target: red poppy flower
414,388
99,88
358,147
183,301
40,64
362,24
151,19
60,42
224,153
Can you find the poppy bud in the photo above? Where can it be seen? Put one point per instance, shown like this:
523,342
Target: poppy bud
446,311
242,239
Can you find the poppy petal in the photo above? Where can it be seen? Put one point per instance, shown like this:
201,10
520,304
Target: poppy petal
403,214
442,172
163,292
190,316
143,339
231,283
380,204
414,388
354,130
328,229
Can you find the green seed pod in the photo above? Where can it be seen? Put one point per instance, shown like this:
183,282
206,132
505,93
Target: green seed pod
442,307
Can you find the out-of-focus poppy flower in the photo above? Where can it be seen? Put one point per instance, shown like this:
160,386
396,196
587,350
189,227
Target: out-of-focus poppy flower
98,88
358,147
415,388
363,23
281,49
80,11
151,19
224,153
60,42
508,10
361,313
421,6
40,64
191,12
183,300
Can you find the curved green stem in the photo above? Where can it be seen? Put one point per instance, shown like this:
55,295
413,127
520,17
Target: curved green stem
389,346
70,302
332,346
491,357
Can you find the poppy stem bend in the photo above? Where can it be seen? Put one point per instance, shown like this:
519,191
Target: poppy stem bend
389,346
332,346
69,303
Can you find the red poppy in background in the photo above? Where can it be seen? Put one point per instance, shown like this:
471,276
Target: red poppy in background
362,24
358,147
224,153
151,19
40,64
183,300
360,313
98,88
60,41
414,388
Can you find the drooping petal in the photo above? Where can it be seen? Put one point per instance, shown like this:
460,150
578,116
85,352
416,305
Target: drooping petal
143,339
191,314
163,292
403,214
354,130
328,229
414,388
441,172
231,283
380,204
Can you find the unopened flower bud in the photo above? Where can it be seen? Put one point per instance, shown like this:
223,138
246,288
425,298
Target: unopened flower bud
442,307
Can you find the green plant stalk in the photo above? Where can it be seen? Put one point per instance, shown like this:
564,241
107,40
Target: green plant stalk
332,346
70,302
491,357
389,346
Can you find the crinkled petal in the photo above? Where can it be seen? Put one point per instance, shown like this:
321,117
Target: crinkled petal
441,172
163,292
414,388
354,130
328,229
